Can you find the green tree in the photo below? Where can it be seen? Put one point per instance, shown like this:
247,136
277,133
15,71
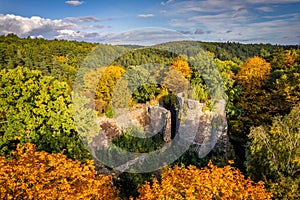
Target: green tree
175,81
227,68
141,82
285,89
63,70
274,155
37,109
57,58
284,59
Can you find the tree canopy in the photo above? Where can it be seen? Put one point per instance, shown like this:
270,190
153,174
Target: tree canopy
32,174
38,109
260,83
208,183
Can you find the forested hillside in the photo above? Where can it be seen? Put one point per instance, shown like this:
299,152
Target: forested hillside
59,59
42,153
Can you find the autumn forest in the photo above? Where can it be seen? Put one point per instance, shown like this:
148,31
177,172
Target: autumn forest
43,154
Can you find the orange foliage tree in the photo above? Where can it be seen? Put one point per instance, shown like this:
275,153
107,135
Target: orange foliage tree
208,183
180,64
39,175
254,98
253,74
176,78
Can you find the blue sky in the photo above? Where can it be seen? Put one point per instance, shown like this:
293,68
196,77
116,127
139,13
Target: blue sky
154,21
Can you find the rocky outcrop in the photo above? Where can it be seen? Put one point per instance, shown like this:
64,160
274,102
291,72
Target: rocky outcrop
160,122
152,119
210,126
109,130
133,117
205,131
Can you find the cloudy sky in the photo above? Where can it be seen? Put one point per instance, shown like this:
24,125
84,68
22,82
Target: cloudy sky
153,21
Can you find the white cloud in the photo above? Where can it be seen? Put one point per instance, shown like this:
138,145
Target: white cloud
64,34
146,15
167,2
185,32
74,3
81,36
284,16
146,36
230,20
265,9
272,1
212,21
238,12
189,7
97,26
199,32
82,19
39,36
37,27
277,31
32,26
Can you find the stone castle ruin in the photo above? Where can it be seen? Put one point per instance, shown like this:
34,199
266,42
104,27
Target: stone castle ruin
207,130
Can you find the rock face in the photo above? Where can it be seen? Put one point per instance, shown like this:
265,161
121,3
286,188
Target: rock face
205,130
210,127
153,120
160,121
109,130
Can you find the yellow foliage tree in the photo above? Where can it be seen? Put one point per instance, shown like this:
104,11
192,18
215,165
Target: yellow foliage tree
253,74
208,183
180,64
254,98
107,83
92,77
40,175
290,57
284,59
63,70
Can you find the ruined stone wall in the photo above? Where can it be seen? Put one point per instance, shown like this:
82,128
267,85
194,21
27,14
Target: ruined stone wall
208,129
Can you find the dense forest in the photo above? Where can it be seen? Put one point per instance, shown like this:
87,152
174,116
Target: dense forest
41,147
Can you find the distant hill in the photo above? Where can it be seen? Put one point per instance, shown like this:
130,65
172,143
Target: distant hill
62,58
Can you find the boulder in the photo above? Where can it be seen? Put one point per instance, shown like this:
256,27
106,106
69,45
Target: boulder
160,122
